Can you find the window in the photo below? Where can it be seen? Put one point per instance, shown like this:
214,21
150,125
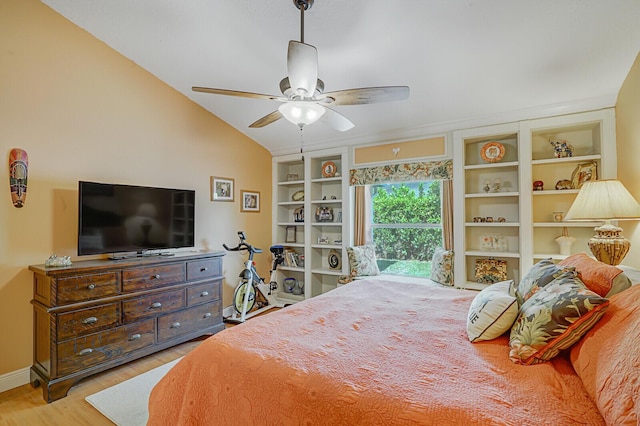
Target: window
406,226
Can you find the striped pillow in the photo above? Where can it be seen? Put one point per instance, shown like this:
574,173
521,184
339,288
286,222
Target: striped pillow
553,319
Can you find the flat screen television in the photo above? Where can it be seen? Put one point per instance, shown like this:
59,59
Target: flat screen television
116,218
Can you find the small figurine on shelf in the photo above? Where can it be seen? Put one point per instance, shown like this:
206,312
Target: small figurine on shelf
497,185
487,185
562,149
538,185
564,184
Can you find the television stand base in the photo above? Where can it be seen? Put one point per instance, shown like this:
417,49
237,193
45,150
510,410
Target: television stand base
130,256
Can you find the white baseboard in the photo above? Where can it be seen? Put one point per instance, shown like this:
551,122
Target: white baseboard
228,311
14,379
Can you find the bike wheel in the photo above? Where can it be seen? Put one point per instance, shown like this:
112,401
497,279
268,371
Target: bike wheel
238,297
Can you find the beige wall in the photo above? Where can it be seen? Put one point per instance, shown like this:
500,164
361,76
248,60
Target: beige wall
84,112
628,137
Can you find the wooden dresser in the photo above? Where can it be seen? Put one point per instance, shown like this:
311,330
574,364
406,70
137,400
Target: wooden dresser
98,314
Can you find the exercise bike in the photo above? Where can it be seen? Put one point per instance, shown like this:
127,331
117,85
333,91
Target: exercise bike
250,284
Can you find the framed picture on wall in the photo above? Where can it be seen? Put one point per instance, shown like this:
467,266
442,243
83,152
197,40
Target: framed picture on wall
222,189
250,201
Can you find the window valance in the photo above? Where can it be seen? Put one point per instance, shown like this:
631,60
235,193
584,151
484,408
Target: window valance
433,170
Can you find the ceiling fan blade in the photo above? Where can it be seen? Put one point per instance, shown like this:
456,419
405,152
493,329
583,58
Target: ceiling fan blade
267,119
238,93
302,67
336,120
367,95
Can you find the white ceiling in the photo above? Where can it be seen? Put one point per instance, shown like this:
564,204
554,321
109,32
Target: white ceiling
467,62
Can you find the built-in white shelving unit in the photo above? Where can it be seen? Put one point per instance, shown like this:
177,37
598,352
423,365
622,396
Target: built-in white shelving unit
324,230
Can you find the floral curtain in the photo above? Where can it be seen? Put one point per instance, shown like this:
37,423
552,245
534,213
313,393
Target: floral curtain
434,170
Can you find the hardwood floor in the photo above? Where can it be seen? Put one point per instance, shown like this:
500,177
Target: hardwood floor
25,406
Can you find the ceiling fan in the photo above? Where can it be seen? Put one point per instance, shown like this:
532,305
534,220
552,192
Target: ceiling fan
304,100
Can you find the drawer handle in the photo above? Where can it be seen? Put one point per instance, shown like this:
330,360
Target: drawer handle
85,352
91,286
204,294
90,320
156,276
156,305
203,269
207,315
135,336
175,325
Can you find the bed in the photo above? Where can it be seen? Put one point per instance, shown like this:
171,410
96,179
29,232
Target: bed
383,352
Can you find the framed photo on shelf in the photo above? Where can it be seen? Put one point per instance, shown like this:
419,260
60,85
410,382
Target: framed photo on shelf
249,201
585,172
290,236
222,189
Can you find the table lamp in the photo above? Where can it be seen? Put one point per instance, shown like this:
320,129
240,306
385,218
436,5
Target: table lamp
605,200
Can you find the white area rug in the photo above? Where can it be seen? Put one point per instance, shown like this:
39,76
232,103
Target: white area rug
125,404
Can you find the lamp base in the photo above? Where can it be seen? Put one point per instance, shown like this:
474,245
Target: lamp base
608,246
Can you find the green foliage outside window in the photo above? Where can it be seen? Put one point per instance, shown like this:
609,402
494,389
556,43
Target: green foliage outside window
406,203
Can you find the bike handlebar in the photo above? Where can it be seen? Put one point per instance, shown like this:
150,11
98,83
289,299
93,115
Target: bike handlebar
243,246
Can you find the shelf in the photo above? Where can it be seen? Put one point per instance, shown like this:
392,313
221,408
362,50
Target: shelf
491,165
291,203
567,224
554,160
289,244
326,271
492,224
291,182
290,223
480,253
331,179
327,223
326,201
555,192
327,246
289,297
291,268
492,194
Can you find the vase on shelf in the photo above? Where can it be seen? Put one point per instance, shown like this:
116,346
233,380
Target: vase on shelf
565,242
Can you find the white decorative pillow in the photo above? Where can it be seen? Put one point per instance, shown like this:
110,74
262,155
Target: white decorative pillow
362,261
442,266
492,312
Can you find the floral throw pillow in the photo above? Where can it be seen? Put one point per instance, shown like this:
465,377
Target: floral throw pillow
540,274
442,267
362,261
553,319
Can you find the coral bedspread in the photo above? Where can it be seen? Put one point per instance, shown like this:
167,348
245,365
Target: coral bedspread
368,353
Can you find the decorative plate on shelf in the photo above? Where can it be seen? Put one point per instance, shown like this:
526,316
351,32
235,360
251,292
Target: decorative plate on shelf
492,152
334,259
329,169
298,196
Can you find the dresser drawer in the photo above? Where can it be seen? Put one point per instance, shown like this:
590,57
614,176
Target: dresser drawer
188,320
207,268
85,321
84,352
87,287
203,293
143,278
152,305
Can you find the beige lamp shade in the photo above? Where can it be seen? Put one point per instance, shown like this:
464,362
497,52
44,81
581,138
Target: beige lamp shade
605,200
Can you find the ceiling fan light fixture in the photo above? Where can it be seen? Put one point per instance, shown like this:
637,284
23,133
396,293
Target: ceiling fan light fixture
301,113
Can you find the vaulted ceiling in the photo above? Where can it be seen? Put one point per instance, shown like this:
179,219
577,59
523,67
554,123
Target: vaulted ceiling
467,62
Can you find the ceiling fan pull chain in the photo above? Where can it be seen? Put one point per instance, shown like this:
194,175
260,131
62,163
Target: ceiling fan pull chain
301,143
